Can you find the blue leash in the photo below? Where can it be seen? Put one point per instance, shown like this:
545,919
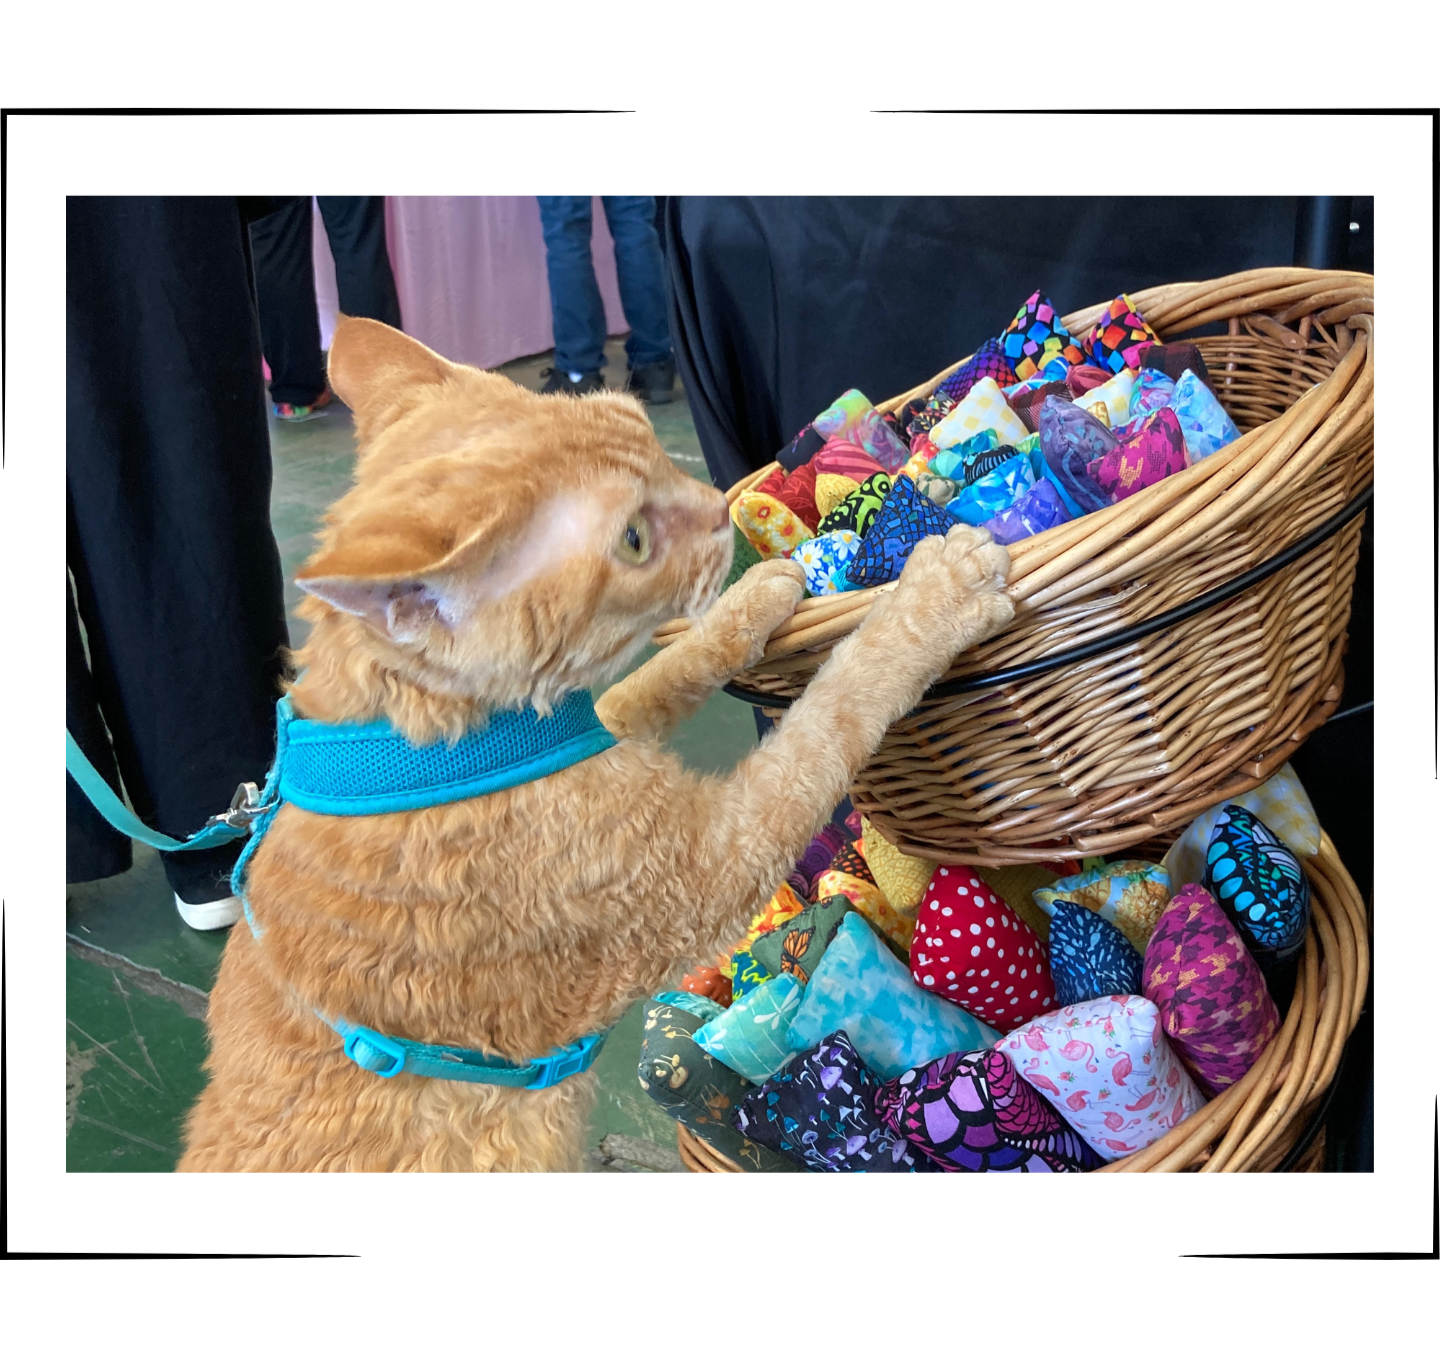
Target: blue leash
344,769
228,826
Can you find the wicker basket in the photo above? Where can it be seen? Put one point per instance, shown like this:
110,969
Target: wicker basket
1095,756
1255,1123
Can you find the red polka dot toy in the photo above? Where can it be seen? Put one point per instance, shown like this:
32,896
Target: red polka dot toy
972,949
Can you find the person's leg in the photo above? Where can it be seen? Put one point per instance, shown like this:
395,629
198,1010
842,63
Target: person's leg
93,848
286,301
356,230
168,471
640,278
579,322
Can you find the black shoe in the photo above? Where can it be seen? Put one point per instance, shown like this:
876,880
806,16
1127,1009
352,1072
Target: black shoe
560,382
653,382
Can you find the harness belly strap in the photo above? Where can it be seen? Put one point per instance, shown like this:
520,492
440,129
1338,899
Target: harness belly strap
389,1056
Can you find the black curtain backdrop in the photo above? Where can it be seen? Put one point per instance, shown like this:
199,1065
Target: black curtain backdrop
779,304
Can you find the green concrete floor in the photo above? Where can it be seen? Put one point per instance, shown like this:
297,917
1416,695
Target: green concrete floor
137,977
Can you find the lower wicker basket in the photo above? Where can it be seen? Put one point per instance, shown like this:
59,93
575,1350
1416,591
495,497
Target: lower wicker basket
1257,1122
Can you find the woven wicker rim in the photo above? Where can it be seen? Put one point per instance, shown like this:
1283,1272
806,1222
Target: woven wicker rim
970,684
1255,1123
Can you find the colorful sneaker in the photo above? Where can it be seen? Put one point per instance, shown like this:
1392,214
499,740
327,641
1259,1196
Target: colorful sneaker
299,413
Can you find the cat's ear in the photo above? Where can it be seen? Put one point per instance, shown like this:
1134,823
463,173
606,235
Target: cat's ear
371,365
403,609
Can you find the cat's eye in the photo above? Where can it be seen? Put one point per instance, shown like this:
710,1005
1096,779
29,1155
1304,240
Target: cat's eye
635,544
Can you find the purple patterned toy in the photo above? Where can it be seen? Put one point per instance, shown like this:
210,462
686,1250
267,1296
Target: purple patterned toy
971,1111
1156,450
1071,439
988,360
1215,1007
1037,509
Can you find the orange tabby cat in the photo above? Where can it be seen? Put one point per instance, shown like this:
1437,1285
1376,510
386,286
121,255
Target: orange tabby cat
500,546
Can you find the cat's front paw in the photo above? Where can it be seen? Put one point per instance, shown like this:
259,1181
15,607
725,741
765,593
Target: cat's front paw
956,582
758,603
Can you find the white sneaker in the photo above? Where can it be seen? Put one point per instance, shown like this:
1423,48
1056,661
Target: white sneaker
210,917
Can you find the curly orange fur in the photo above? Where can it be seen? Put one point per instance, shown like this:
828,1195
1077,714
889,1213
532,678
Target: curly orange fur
515,922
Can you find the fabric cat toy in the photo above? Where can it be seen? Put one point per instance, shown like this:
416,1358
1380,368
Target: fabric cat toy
502,549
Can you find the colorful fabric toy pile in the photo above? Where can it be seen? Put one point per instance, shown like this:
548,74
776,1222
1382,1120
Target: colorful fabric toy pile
882,1014
1035,428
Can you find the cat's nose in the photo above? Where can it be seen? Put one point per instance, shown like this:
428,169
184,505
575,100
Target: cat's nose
719,523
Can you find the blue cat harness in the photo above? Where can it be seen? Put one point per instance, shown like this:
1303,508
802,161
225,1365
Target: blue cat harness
354,770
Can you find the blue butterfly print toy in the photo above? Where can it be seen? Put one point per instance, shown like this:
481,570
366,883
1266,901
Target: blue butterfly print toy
1260,884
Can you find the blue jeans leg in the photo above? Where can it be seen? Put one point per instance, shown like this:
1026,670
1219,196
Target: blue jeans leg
579,322
640,277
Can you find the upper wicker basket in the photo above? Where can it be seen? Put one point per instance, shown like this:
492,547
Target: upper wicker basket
1095,756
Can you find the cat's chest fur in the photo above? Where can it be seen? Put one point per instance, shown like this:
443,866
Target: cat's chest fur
498,921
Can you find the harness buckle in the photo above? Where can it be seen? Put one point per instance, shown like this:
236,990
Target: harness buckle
570,1060
246,807
378,1054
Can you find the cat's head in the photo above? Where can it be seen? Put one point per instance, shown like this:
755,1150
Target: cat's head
498,544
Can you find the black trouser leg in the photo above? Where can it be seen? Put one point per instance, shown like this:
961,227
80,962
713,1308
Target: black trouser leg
168,472
93,848
356,230
286,299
